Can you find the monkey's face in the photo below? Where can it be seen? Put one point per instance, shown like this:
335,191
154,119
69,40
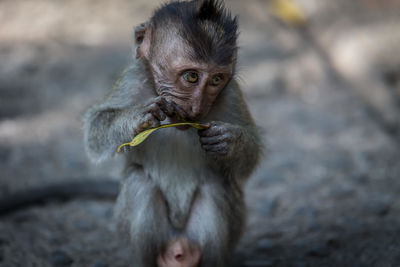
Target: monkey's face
191,59
193,86
198,86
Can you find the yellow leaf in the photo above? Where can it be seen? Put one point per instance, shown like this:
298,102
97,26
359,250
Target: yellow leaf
288,11
139,138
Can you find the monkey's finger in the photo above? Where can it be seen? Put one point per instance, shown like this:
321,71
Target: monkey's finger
153,106
207,124
217,153
157,112
220,149
148,122
215,147
214,130
212,140
166,106
154,122
180,112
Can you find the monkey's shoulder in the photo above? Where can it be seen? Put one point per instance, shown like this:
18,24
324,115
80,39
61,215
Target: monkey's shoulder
133,85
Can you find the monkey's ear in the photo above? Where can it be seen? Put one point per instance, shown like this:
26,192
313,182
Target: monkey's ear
143,40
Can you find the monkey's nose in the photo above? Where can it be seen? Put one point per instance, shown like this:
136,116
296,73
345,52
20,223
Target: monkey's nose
196,112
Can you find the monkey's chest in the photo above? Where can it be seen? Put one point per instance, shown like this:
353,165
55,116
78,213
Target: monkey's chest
176,164
175,157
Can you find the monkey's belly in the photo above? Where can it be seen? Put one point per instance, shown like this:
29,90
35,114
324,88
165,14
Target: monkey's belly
179,200
178,167
179,191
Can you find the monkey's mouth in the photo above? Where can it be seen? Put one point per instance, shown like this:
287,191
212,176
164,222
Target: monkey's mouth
174,119
177,119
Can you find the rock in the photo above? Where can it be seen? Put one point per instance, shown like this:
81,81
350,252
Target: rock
314,226
338,161
273,234
268,206
266,245
298,264
379,208
100,211
333,242
5,153
3,240
83,225
259,263
100,264
306,211
24,217
320,251
351,224
238,259
267,177
59,258
359,178
339,192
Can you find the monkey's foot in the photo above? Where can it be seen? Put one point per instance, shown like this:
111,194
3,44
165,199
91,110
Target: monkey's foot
180,253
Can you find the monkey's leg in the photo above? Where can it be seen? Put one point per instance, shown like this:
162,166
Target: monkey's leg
216,223
141,214
204,240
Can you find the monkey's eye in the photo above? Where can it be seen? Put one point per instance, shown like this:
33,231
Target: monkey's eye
191,77
216,80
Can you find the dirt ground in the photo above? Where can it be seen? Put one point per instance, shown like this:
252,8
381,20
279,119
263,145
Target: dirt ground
326,94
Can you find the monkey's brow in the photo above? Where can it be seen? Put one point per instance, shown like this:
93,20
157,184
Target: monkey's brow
225,69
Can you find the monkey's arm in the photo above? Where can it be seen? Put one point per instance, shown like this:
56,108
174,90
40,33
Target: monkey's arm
236,148
131,107
233,139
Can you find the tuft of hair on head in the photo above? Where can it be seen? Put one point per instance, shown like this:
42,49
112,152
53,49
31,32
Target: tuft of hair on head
205,25
209,9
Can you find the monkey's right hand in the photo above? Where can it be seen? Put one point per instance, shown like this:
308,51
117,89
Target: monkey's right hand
157,110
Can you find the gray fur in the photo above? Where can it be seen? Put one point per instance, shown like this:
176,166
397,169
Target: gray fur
172,187
176,183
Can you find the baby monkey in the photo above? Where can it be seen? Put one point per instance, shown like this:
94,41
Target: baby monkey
181,199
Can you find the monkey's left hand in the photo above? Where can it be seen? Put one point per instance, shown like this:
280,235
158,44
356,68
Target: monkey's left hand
221,138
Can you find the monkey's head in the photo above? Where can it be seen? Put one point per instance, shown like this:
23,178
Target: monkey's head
191,51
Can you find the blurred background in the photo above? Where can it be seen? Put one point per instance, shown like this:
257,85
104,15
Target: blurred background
322,79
